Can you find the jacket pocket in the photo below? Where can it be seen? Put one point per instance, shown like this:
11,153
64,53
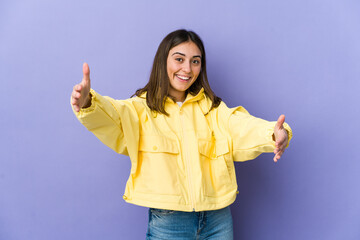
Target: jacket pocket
158,168
215,169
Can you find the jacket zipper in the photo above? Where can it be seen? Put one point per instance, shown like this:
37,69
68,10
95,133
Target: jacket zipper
188,170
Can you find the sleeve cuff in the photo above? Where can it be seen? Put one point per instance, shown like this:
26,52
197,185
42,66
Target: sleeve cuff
89,109
270,132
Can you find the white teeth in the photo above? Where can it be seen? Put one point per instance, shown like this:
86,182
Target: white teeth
183,78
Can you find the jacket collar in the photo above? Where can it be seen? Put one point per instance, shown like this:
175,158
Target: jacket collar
191,98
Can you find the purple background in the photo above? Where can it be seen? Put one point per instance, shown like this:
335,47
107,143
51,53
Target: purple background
300,58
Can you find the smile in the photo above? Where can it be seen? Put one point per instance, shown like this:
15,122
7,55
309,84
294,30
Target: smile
183,77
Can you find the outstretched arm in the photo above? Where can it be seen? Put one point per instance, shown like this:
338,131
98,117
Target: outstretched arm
252,136
114,122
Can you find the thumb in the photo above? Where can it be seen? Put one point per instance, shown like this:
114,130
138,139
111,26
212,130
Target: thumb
280,122
86,74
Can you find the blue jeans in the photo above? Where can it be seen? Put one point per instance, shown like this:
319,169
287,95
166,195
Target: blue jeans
177,225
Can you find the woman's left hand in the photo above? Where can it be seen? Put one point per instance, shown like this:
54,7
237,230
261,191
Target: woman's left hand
281,138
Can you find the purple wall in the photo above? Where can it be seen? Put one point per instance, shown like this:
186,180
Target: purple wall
300,58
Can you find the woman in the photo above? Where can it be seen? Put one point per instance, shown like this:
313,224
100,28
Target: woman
182,141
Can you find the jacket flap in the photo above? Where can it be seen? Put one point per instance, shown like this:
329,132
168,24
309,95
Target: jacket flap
206,148
211,150
158,143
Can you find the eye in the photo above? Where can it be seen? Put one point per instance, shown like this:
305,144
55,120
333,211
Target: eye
196,61
179,59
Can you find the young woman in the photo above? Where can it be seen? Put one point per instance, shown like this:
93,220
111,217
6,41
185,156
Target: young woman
182,141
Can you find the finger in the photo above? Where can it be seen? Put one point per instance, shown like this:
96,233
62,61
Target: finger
74,101
276,150
77,87
277,157
279,151
76,95
280,122
75,105
76,108
86,73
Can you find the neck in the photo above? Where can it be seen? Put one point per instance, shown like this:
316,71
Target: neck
178,97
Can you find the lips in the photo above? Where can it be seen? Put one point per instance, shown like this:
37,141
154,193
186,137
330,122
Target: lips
183,78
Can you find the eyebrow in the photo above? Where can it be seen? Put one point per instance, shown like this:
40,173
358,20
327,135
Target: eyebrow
185,55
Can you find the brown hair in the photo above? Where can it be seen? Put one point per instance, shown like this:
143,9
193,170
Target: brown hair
157,89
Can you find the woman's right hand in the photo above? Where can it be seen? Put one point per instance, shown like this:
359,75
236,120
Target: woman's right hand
80,96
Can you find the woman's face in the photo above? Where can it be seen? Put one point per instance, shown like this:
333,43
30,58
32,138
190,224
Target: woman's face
183,68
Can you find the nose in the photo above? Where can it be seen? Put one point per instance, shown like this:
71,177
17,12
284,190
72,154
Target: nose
187,67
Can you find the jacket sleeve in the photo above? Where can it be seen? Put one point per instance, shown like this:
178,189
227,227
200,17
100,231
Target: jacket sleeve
114,122
250,135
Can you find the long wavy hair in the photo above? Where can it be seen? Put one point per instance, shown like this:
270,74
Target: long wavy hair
157,89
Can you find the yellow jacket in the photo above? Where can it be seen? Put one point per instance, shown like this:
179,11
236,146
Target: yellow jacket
185,161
